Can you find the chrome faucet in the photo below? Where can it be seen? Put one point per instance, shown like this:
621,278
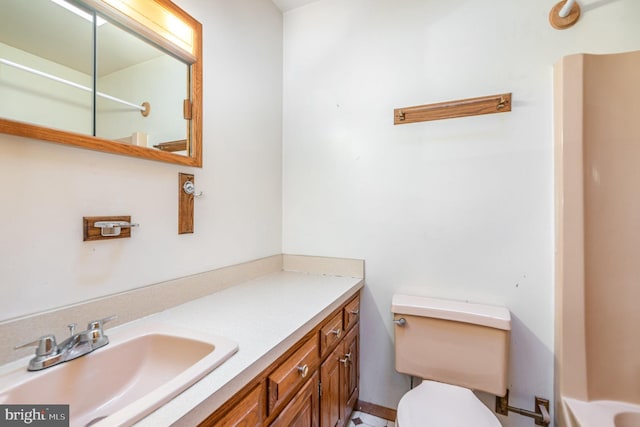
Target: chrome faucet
49,353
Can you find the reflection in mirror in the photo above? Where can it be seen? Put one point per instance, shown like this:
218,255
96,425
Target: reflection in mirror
141,97
52,42
154,82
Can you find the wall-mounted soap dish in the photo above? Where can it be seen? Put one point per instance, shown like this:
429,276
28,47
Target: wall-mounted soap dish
107,227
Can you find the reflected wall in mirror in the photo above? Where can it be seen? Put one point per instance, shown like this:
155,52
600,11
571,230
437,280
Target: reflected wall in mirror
134,88
154,82
39,36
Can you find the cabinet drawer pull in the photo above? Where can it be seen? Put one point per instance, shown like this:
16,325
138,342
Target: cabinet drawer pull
346,360
337,332
303,370
355,312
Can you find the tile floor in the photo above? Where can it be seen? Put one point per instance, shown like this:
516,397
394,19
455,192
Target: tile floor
360,419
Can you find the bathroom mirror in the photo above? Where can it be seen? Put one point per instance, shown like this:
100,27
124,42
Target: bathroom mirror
119,76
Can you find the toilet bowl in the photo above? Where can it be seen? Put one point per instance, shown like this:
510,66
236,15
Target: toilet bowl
438,404
456,347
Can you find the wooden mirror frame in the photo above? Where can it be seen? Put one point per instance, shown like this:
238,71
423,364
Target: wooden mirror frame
90,142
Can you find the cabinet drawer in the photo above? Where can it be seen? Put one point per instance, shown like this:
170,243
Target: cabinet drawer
351,313
249,412
331,333
287,377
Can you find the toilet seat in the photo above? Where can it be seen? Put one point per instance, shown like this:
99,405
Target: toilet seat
434,404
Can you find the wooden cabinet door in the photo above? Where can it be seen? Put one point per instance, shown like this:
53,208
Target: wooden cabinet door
331,402
302,411
350,364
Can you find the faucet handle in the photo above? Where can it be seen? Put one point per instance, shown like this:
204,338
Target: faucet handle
95,334
98,324
72,328
46,345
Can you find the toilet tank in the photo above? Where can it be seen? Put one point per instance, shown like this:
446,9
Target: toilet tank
452,342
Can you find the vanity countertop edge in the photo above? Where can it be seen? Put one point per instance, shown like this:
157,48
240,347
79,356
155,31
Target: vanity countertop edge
252,314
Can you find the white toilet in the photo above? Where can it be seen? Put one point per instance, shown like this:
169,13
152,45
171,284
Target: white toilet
455,347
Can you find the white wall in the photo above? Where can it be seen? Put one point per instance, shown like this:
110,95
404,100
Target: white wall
47,188
459,208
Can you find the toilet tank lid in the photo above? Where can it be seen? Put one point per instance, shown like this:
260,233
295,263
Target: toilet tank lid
458,311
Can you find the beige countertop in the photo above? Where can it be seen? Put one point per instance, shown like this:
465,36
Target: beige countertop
265,316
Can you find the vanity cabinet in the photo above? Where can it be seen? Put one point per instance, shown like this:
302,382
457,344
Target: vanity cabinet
249,412
330,388
331,333
339,378
302,411
351,368
314,383
351,313
291,373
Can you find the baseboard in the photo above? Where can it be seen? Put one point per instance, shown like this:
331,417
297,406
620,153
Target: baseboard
376,410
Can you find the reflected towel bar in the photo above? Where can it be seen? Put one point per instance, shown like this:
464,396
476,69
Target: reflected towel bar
144,108
566,9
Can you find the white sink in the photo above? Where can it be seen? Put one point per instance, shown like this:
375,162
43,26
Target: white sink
142,368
